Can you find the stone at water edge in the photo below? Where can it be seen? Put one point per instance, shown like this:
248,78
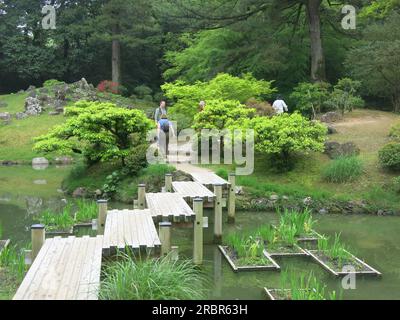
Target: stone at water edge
63,160
274,197
21,115
308,201
40,163
79,193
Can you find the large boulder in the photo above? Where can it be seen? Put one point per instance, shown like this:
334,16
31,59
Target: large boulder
335,149
330,117
32,106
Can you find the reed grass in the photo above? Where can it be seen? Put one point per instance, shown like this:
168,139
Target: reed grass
152,279
57,221
335,249
87,211
304,287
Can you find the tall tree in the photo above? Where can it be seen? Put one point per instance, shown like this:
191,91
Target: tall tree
222,13
126,22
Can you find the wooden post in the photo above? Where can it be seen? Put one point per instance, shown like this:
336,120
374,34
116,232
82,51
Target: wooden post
232,198
198,232
165,237
142,196
38,235
101,219
218,214
168,182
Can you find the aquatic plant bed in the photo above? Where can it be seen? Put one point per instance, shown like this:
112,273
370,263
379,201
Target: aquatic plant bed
334,268
230,256
286,251
278,294
4,244
313,236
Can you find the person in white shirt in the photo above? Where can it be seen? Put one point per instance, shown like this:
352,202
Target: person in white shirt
280,106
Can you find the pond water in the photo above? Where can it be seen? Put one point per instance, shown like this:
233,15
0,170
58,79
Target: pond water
374,239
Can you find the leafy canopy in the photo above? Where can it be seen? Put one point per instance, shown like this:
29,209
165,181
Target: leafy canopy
220,114
99,131
222,87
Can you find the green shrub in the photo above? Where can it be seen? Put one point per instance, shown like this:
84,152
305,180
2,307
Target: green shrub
395,131
389,156
310,97
283,136
136,159
343,169
52,83
344,96
152,279
395,185
263,108
142,91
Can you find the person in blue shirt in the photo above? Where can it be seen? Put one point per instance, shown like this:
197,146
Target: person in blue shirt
165,129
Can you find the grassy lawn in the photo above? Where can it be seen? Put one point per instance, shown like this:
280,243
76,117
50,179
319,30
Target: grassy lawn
16,138
369,130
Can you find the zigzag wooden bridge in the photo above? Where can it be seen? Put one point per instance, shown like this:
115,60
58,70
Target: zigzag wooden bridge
70,268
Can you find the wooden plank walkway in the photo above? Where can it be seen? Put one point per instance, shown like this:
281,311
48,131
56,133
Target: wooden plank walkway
169,207
132,229
208,179
65,269
191,190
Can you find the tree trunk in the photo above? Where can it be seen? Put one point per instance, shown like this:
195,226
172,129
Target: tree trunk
116,61
317,52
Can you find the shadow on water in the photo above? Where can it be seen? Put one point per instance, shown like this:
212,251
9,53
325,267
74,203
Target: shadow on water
374,239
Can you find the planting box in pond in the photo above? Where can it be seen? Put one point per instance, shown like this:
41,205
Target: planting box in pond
277,294
4,244
360,266
287,251
312,237
60,233
271,266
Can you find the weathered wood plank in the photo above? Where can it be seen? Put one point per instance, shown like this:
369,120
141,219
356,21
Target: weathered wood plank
135,230
65,269
167,206
190,190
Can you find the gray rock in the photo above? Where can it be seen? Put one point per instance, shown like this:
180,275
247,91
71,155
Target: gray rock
331,117
323,211
32,106
3,104
31,88
286,198
98,193
79,193
334,149
307,201
32,94
274,197
40,163
63,160
54,113
239,190
331,129
21,115
5,116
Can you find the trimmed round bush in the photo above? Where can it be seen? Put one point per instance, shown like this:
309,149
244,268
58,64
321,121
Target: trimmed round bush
389,156
343,169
